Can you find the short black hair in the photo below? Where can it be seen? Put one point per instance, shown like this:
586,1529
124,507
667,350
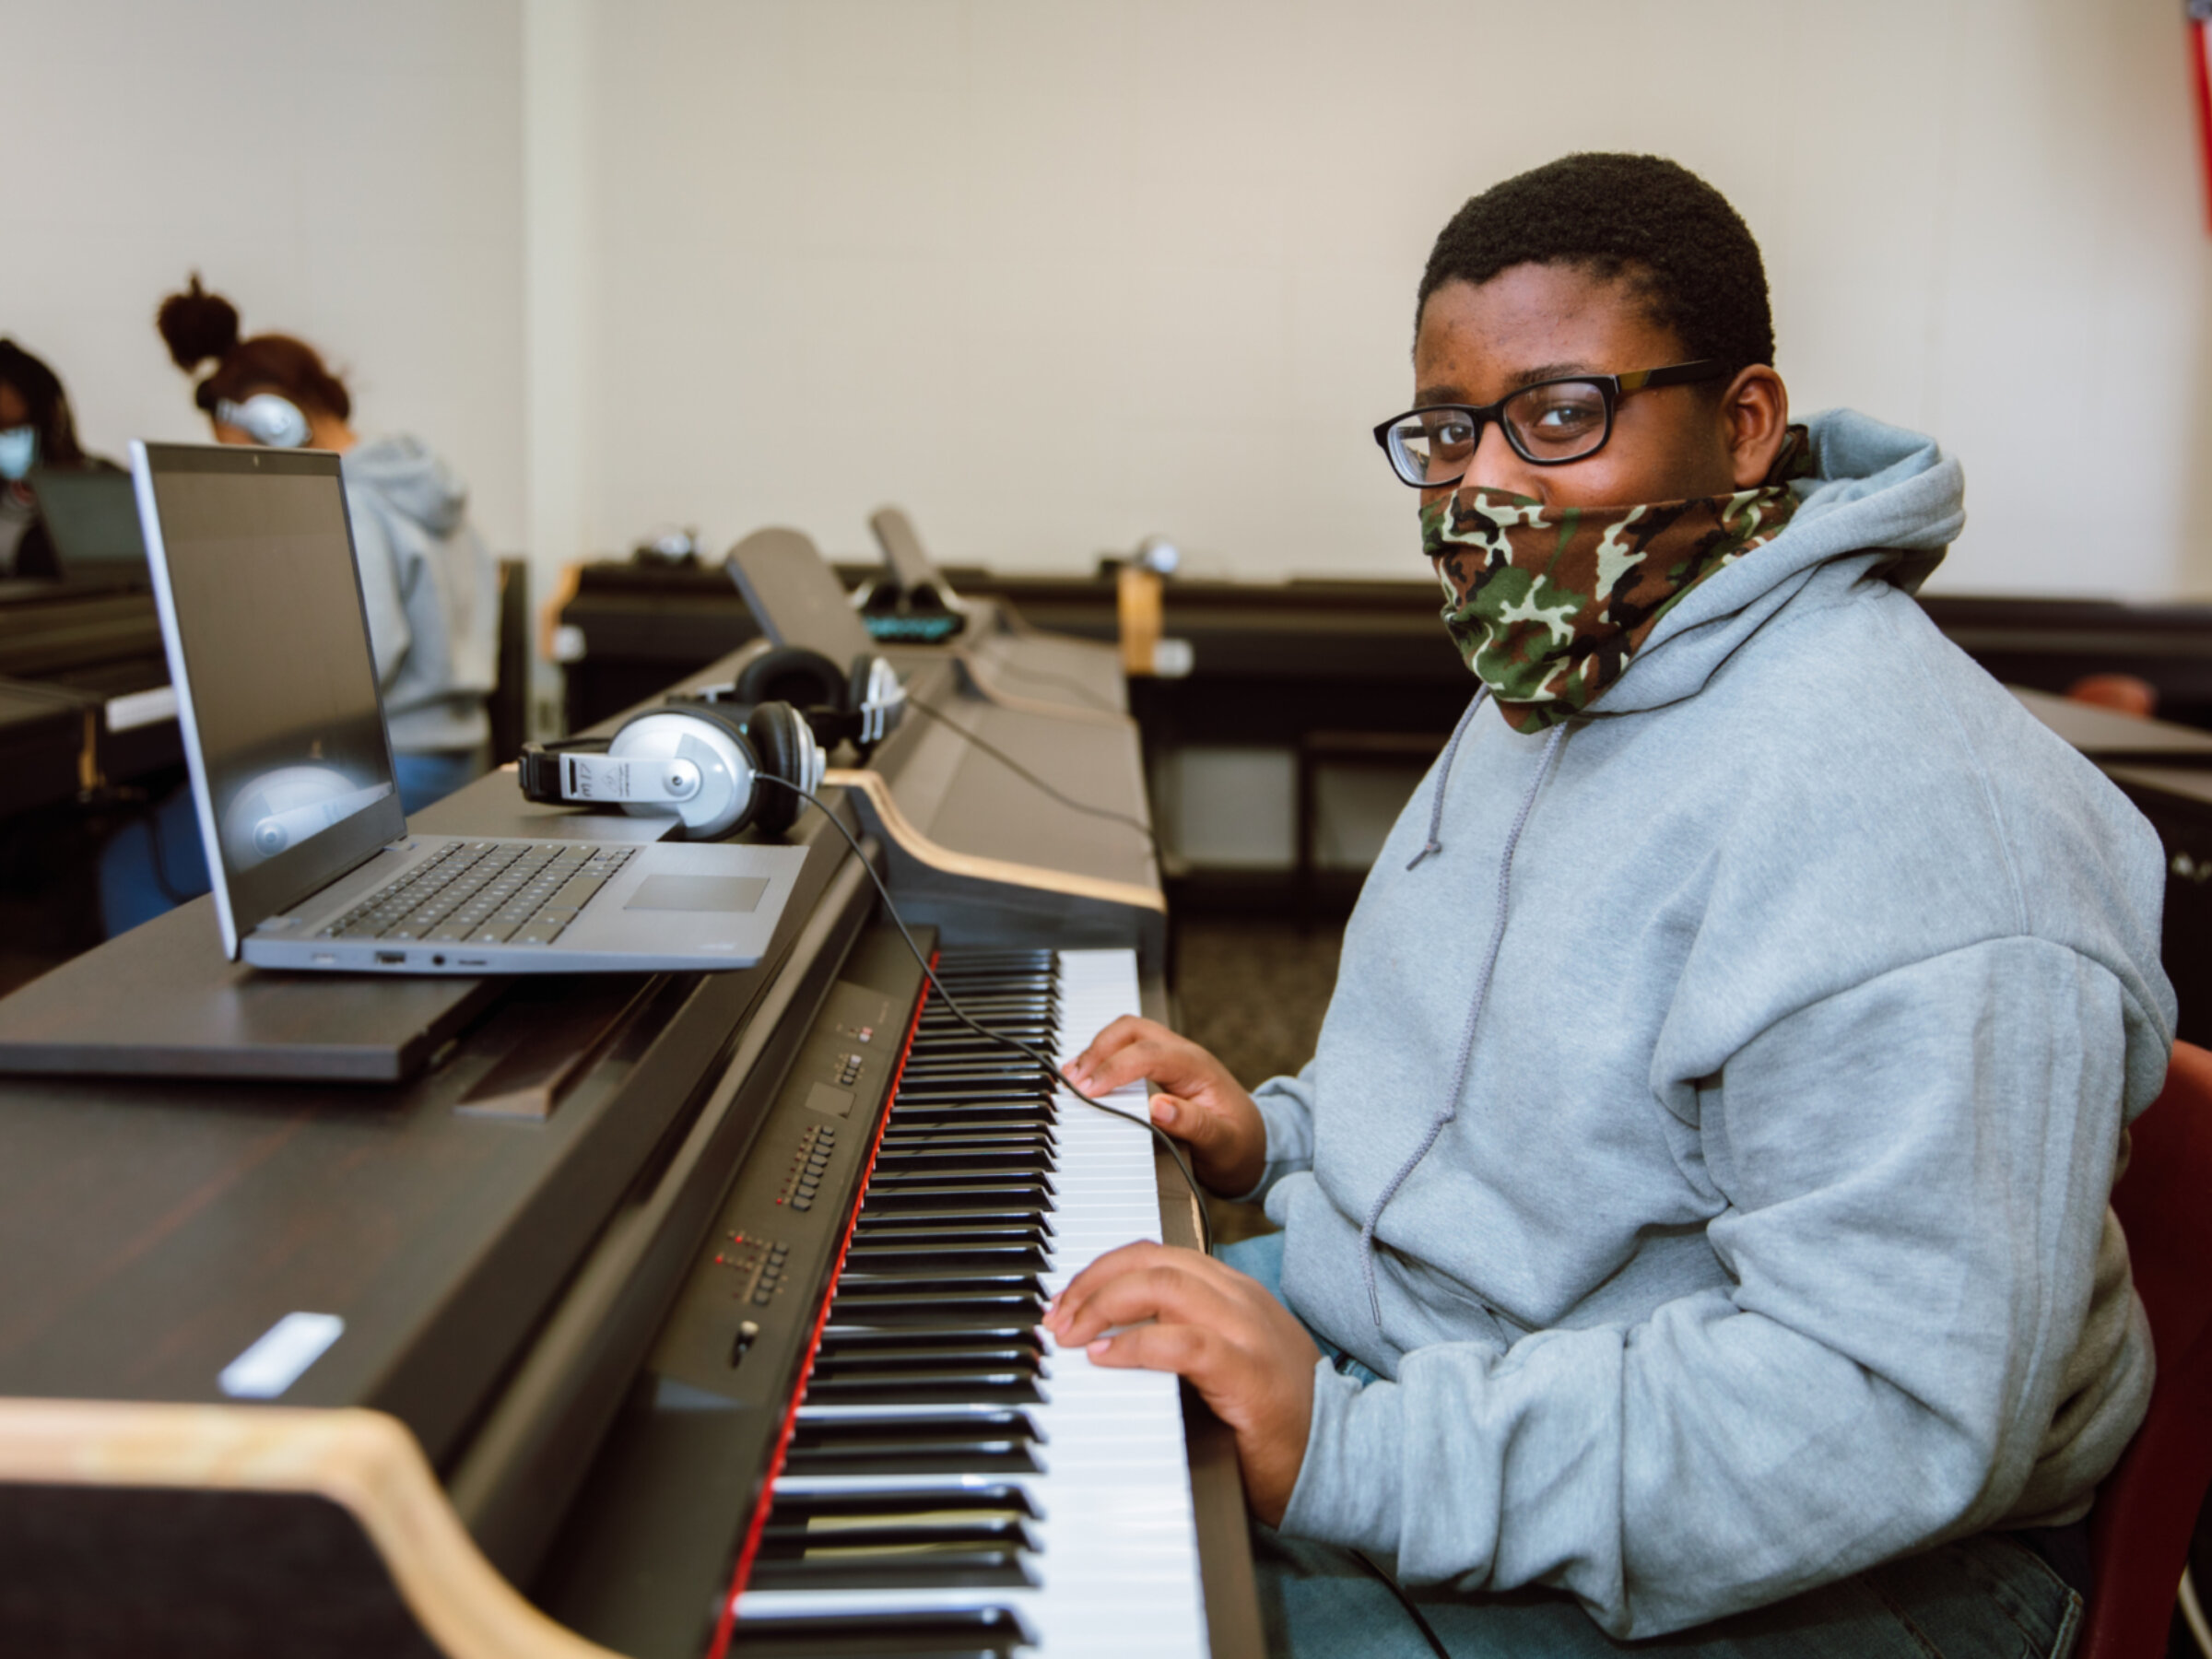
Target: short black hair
1672,235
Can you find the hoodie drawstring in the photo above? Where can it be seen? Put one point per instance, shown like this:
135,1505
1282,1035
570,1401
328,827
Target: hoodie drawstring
1482,983
1444,776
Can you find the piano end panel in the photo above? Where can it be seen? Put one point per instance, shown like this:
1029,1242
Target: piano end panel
984,902
200,1530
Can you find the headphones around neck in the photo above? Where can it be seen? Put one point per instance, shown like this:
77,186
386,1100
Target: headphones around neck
700,763
271,422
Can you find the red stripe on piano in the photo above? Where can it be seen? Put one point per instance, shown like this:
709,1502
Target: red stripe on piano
725,1623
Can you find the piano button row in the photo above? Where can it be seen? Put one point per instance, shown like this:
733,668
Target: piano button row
953,1484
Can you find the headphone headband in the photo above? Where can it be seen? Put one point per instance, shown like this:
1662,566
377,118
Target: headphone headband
271,422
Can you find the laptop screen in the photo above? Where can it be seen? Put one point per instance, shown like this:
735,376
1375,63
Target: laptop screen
268,646
93,521
796,597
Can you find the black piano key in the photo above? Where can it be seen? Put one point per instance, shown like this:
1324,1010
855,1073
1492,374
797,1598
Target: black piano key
972,1082
792,1508
842,1339
996,1018
980,1442
941,1312
911,1258
966,1047
1010,1197
948,1281
958,1133
910,1567
798,1537
859,1294
965,1633
902,1349
901,1175
942,1148
925,1388
888,1235
1034,1117
912,1206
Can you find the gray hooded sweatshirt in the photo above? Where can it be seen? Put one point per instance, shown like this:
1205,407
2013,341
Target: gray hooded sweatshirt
433,593
1768,1235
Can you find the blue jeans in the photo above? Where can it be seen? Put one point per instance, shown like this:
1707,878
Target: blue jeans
1986,1598
155,863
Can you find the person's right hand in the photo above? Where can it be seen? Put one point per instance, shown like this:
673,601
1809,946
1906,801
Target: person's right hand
1199,1103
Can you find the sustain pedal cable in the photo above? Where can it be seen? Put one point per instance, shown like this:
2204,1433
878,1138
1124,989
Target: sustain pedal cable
1206,1228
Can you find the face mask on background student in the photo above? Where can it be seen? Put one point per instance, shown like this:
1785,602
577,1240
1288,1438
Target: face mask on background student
18,452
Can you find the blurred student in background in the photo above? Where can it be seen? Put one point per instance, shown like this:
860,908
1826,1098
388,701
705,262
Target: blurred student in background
36,430
431,586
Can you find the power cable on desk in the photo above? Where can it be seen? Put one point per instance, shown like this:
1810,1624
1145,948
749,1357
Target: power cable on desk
1159,853
1206,1226
1044,677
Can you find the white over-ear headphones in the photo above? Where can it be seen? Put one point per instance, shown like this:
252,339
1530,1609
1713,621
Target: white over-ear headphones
271,422
701,763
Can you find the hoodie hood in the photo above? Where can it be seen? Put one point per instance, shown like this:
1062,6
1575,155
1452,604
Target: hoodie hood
410,480
1881,502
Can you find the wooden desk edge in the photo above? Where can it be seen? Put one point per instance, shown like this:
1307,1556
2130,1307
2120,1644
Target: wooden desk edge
364,1462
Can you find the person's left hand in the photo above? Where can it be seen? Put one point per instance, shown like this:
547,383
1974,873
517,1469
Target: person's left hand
1240,1348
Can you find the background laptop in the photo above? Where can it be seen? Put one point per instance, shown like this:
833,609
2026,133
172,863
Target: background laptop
253,565
92,516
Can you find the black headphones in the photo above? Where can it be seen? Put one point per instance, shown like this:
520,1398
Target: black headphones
698,762
860,705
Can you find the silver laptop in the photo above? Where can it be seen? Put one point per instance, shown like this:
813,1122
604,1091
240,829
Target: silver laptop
253,565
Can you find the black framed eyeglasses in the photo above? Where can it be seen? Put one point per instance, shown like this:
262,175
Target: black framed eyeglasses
1549,424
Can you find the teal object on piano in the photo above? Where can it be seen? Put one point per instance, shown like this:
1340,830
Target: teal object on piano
907,629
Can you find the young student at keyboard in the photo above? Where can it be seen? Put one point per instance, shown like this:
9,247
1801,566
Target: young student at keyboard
1695,1214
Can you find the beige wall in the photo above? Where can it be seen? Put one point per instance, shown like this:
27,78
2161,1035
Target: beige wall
1058,275
1055,277
353,182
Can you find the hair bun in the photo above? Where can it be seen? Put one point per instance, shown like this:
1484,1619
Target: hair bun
197,325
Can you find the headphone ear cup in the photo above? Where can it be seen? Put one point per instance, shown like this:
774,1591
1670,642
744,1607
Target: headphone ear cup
784,745
792,674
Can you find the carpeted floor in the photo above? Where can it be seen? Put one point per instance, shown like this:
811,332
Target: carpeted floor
1252,990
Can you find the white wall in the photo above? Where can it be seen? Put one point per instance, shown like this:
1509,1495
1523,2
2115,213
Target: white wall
348,173
1054,275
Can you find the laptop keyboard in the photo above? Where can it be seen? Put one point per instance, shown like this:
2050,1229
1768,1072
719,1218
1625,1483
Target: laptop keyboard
487,893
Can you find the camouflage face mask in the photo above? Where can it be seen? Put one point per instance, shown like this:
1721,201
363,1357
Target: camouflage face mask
1550,604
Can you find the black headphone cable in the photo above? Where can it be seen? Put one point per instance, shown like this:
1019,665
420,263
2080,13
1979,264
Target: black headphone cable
1206,1226
1159,853
1436,1644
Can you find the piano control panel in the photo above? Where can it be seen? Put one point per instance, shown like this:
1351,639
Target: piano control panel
767,1263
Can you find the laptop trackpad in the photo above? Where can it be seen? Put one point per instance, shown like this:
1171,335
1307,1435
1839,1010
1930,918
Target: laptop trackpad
738,893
